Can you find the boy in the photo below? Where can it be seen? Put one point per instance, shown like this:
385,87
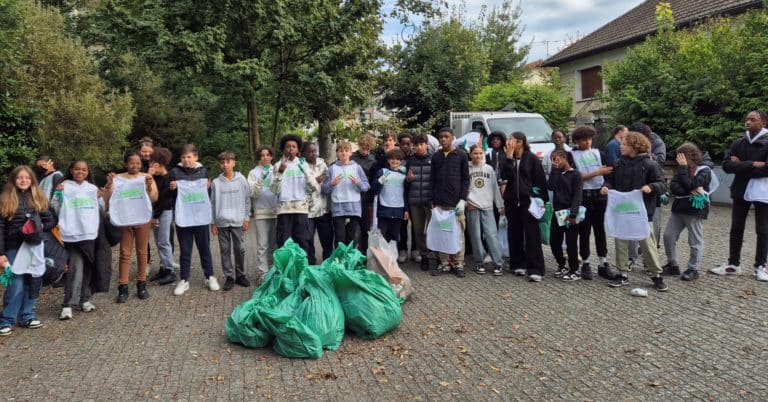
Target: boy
419,182
366,160
345,182
162,215
389,185
231,205
405,142
589,163
450,185
319,214
47,175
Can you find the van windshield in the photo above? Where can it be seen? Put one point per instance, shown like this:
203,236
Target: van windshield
536,129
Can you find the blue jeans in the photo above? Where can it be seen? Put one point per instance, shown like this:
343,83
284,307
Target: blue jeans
17,306
162,234
201,237
481,223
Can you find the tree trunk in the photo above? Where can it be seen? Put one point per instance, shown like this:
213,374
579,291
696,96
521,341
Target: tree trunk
253,128
276,119
325,142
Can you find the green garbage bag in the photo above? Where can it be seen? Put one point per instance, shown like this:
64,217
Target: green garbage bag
545,222
292,337
320,309
370,306
242,327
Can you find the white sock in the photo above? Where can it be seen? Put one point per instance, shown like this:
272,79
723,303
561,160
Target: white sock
603,260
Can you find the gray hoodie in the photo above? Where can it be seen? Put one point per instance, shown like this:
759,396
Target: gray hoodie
230,200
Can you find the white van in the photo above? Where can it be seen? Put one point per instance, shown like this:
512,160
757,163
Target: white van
535,127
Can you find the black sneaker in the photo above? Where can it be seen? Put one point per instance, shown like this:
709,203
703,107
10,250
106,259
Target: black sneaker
690,275
621,280
438,270
166,279
458,270
658,284
561,271
242,281
157,275
571,276
606,272
229,284
497,271
670,270
586,272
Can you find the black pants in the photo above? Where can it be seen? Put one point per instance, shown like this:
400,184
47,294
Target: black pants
343,231
594,221
402,244
365,226
293,226
390,228
524,239
571,234
739,214
324,228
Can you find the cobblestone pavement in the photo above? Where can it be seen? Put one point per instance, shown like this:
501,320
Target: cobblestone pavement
480,338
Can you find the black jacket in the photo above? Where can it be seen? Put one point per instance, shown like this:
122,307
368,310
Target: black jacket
566,189
450,177
420,190
633,173
681,186
10,229
743,170
366,162
520,180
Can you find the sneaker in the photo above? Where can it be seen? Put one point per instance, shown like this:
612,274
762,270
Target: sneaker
621,280
181,287
424,263
669,269
520,272
176,265
168,278
658,284
228,284
5,331
157,275
66,313
760,274
458,270
534,278
32,324
402,256
415,256
242,281
480,270
561,271
586,272
726,269
497,271
606,272
87,307
631,265
212,283
689,275
571,276
440,269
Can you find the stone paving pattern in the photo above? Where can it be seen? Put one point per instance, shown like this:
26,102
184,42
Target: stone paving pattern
480,338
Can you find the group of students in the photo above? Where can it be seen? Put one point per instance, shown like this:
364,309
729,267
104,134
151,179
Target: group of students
443,191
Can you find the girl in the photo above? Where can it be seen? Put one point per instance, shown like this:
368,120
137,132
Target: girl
77,205
690,183
524,177
20,200
345,182
483,195
292,184
636,171
129,198
565,184
146,148
162,215
189,181
264,209
389,185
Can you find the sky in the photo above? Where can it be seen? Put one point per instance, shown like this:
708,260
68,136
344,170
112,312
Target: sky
547,24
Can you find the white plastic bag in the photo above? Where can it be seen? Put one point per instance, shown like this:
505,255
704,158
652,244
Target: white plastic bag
129,204
29,260
382,259
537,208
503,236
563,214
193,205
444,232
626,217
757,190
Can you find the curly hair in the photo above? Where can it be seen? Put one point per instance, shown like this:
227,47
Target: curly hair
638,142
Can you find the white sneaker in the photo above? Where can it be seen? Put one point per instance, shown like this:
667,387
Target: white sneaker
761,274
212,283
66,313
402,256
534,278
181,287
726,269
176,265
415,256
87,307
520,272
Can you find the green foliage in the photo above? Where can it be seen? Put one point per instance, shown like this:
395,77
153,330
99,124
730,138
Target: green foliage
694,85
544,99
500,37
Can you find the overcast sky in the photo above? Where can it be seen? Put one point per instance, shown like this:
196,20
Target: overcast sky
548,24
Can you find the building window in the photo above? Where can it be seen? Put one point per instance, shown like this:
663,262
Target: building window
591,82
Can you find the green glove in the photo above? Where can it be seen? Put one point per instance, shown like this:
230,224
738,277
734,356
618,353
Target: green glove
699,201
664,199
535,190
7,277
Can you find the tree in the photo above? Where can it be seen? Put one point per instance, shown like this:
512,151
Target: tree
696,84
545,99
500,37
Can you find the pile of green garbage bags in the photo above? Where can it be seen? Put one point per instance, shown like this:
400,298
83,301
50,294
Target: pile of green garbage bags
302,309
